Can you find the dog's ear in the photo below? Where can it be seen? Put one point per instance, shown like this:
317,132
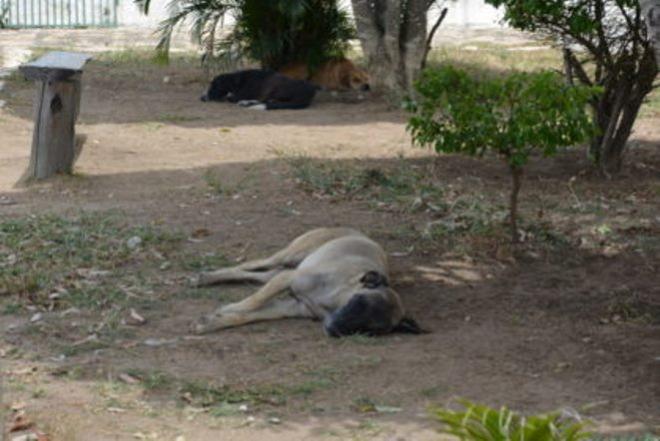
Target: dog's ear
408,325
373,280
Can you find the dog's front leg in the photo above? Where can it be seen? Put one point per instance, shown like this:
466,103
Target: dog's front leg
244,311
222,319
276,285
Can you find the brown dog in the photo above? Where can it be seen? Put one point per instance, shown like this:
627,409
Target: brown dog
337,74
336,275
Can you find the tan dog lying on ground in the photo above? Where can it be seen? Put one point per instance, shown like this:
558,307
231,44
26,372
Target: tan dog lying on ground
337,74
336,275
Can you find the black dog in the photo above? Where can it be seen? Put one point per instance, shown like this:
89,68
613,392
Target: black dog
261,89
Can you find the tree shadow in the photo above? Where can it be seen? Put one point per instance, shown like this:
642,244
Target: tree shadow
119,93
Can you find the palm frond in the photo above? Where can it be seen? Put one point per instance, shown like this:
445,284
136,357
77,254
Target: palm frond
477,422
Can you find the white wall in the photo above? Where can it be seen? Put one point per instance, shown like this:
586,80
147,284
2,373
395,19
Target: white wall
472,13
461,12
129,15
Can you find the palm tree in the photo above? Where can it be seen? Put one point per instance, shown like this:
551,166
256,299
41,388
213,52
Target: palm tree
272,32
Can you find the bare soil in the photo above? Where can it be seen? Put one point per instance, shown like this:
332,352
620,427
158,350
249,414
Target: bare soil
546,326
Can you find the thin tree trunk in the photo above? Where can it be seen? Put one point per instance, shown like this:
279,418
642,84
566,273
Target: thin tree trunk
429,38
616,114
516,175
612,156
393,38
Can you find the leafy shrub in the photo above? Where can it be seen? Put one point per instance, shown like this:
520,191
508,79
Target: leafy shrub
481,423
512,116
614,51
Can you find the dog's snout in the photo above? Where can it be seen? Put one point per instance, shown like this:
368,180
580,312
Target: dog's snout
332,331
365,88
204,97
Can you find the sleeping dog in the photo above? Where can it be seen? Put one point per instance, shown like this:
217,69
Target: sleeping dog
261,89
338,74
336,275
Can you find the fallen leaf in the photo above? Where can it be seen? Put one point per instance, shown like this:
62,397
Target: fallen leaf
36,317
155,342
128,379
135,319
25,371
91,273
200,232
387,409
134,242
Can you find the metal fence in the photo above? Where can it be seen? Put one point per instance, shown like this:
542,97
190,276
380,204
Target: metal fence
58,13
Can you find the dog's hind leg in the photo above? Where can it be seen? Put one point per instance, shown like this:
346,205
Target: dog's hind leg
259,270
286,258
279,309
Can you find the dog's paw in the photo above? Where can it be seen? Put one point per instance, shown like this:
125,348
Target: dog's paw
258,107
248,103
201,326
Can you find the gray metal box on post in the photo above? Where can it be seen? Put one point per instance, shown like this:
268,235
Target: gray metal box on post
56,108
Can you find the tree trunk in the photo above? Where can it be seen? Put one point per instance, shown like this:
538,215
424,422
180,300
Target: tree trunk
516,175
393,38
615,113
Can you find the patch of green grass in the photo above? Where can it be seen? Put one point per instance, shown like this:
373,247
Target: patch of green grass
205,394
627,305
171,118
10,308
224,410
81,259
153,380
651,108
220,185
144,57
38,393
93,345
404,187
493,59
307,388
467,214
203,261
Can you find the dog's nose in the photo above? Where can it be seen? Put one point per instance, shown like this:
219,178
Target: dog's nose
365,87
331,331
204,97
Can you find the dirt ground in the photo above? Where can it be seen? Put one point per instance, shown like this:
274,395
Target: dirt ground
571,319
